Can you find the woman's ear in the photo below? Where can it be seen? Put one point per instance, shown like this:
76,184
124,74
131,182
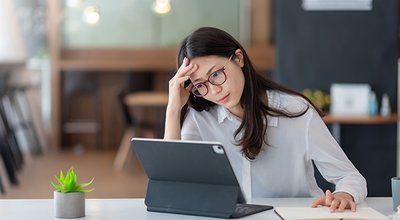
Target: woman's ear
239,58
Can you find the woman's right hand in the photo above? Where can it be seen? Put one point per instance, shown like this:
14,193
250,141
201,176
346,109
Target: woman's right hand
178,95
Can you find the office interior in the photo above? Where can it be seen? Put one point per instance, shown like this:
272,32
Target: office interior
79,78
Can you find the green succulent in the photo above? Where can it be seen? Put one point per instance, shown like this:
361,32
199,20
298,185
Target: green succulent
68,183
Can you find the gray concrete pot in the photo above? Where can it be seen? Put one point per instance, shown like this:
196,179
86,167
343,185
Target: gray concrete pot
69,205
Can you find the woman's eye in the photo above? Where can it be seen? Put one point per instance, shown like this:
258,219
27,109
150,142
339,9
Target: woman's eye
199,86
216,74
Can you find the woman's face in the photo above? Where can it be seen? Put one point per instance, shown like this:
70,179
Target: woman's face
227,94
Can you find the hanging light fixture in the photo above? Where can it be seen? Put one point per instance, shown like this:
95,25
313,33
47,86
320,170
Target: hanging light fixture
162,6
91,15
74,3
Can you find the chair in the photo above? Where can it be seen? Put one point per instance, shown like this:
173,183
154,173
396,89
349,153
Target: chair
2,188
24,112
10,155
8,133
133,125
81,113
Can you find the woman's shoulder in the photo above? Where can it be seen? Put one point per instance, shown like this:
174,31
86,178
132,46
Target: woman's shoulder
287,102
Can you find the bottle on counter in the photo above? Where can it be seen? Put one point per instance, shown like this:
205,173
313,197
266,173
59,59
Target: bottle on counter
373,104
385,105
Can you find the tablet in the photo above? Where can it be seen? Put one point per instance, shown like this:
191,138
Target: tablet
191,177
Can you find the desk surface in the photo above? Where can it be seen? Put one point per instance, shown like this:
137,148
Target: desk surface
135,209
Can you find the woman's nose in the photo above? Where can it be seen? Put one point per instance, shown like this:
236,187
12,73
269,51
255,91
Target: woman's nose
213,89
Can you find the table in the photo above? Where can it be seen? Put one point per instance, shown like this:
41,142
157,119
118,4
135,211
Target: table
336,121
135,209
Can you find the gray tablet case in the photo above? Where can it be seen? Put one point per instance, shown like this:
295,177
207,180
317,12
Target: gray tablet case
192,178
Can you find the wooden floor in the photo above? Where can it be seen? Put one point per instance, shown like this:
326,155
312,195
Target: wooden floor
36,175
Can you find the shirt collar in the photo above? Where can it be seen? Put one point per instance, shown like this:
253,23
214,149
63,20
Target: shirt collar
273,101
223,114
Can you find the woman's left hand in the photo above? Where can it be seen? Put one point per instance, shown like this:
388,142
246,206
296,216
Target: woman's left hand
336,202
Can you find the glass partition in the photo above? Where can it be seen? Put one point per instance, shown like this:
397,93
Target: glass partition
139,23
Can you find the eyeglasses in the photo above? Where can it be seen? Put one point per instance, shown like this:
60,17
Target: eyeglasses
216,78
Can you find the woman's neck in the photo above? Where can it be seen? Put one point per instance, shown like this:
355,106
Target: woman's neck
237,111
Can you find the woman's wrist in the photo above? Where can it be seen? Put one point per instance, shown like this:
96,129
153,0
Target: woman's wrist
172,111
172,124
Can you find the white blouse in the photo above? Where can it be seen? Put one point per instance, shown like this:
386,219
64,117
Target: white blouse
284,167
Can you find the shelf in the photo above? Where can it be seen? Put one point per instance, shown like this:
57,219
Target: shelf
330,119
155,59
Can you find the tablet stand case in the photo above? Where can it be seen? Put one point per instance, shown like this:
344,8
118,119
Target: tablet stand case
188,179
191,198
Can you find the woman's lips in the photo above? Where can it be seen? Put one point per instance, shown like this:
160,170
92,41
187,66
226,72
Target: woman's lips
224,99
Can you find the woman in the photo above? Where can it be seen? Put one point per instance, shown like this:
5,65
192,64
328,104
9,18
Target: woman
271,134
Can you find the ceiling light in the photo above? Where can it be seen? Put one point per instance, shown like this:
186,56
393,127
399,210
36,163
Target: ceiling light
91,15
162,6
74,3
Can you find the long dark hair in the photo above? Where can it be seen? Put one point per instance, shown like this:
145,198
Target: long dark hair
208,41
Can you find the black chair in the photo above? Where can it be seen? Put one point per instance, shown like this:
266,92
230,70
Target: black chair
23,111
10,140
9,149
16,125
9,162
2,190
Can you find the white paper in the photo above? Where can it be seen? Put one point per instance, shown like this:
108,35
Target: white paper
342,5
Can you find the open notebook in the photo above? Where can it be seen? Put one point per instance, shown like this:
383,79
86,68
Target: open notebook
302,213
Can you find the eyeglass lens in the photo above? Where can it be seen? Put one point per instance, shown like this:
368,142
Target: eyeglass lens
216,78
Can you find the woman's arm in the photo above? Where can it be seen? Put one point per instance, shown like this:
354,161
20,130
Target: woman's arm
172,125
178,96
334,166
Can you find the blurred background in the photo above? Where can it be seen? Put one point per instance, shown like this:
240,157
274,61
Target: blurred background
79,78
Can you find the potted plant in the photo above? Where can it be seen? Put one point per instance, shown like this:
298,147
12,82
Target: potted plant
69,197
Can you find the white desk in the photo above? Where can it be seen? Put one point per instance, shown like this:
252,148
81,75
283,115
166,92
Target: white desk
135,209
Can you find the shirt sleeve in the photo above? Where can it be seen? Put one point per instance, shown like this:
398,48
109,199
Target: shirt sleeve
190,129
331,161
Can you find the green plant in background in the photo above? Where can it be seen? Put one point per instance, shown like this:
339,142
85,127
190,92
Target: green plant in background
319,98
67,183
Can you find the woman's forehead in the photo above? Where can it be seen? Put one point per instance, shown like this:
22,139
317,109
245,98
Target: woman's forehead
205,64
205,59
